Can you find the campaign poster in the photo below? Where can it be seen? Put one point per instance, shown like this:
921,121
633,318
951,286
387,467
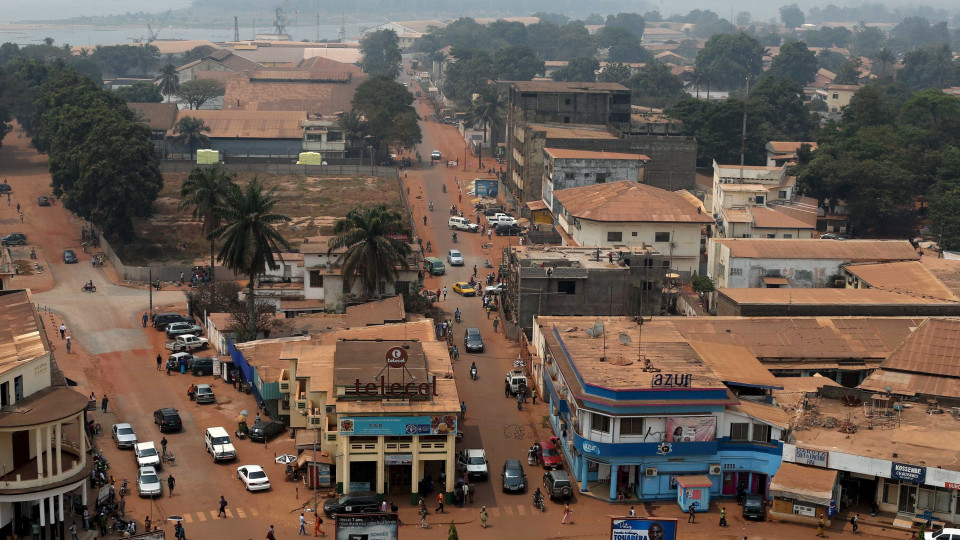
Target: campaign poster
691,429
643,528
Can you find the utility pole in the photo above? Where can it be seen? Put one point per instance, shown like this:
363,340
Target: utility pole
743,134
236,28
150,290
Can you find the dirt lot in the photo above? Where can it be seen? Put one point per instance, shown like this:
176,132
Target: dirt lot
314,204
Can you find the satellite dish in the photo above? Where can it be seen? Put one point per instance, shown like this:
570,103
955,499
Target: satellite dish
597,329
624,338
889,389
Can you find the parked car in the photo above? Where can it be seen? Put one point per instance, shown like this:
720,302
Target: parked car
435,154
264,431
353,503
187,342
168,419
43,201
147,455
462,224
218,444
943,534
514,479
494,289
473,339
5,187
70,257
148,483
161,320
550,456
434,266
510,229
124,435
832,236
753,508
181,328
253,477
205,394
474,463
492,211
558,484
463,288
454,257
200,365
14,239
173,361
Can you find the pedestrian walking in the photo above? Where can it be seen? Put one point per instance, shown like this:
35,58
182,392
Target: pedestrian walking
506,389
18,206
144,319
483,230
63,330
691,516
444,293
855,521
68,344
489,234
86,519
423,519
533,394
223,508
483,517
456,353
179,532
102,523
820,527
171,481
632,512
73,531
567,514
160,362
383,506
123,504
303,525
723,516
146,523
163,445
21,217
496,323
439,509
104,402
424,221
270,535
317,530
463,410
470,489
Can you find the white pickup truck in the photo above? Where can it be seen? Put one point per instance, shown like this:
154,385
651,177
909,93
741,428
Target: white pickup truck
500,219
188,342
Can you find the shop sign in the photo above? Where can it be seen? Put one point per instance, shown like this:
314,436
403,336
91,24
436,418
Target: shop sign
384,389
671,380
817,458
691,428
951,485
367,527
398,425
908,473
398,459
643,529
804,510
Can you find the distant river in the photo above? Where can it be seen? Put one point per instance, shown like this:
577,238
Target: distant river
31,34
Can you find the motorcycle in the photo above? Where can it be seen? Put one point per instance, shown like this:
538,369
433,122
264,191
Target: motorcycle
429,248
430,206
473,373
444,187
456,316
453,210
121,525
89,288
123,487
538,503
486,263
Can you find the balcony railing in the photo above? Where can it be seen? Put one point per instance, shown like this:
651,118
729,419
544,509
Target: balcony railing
25,476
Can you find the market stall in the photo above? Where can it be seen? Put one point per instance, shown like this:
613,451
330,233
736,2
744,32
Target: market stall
802,494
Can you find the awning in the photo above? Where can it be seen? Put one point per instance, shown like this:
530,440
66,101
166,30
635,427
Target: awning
694,481
775,281
307,457
807,484
537,206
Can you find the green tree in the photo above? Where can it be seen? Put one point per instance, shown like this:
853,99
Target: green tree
796,62
717,127
849,72
866,40
207,190
578,70
945,214
744,18
452,532
702,284
199,91
250,237
381,54
630,21
517,63
197,53
373,251
353,126
830,60
391,119
191,132
487,108
615,72
654,85
468,75
885,57
168,80
730,58
791,16
622,45
139,92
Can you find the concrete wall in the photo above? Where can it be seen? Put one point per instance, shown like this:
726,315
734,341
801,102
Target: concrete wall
190,73
285,168
745,273
280,148
584,173
685,236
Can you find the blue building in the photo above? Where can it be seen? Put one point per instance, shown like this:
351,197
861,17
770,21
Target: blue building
636,412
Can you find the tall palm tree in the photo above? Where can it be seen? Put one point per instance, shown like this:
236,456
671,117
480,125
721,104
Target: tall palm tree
207,190
487,108
191,132
169,80
250,237
353,126
940,63
373,250
885,56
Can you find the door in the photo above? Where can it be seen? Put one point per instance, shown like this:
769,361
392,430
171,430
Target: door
21,448
729,484
908,499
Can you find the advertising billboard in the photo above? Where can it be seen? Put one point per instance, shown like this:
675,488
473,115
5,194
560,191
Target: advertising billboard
399,425
691,429
367,527
642,528
486,188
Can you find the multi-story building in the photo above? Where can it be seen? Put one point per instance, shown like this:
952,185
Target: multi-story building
564,169
43,442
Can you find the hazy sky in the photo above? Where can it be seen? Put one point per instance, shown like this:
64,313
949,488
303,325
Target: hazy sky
19,10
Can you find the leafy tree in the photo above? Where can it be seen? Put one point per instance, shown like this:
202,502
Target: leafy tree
828,36
795,62
168,80
578,70
771,39
622,45
390,117
830,60
791,16
849,72
353,126
214,297
688,48
199,91
615,72
197,53
654,85
250,237
630,21
593,18
373,250
885,57
555,18
866,40
730,58
944,214
777,112
207,190
717,127
487,108
139,92
743,18
702,284
917,32
381,54
263,321
469,74
517,63
653,16
707,23
191,132
513,33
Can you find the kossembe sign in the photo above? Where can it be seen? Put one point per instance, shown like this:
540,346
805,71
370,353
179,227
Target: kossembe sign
908,473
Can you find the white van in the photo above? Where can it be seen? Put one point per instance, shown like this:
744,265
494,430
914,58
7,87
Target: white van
218,444
462,224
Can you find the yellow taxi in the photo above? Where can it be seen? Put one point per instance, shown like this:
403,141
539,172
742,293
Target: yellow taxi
464,288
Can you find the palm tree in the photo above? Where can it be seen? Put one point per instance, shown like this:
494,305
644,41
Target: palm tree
486,108
207,190
353,126
373,250
885,56
191,131
169,80
940,63
250,237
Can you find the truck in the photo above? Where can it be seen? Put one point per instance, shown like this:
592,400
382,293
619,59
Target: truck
500,219
517,380
188,343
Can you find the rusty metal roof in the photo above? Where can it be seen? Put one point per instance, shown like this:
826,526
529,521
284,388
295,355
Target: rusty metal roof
768,218
735,364
565,153
934,349
788,296
249,124
577,87
846,250
376,313
21,335
629,201
905,276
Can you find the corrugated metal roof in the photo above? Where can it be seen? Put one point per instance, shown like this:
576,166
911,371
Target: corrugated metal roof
826,297
565,153
787,147
156,116
572,132
845,250
934,349
770,414
907,276
628,201
376,313
734,364
766,218
21,337
577,87
806,484
250,124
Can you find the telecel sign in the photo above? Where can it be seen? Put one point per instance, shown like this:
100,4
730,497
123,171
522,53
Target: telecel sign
396,357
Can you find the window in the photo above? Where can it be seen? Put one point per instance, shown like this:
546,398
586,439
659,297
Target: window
771,235
739,431
334,136
666,263
836,96
599,422
648,285
661,237
648,263
634,233
746,236
601,177
402,287
569,176
566,119
567,287
722,269
631,426
586,175
760,199
17,388
890,490
788,236
346,286
761,433
736,271
566,101
614,236
783,194
316,280
937,500
5,394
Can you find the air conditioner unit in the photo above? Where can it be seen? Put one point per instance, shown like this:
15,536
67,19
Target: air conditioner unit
715,469
650,471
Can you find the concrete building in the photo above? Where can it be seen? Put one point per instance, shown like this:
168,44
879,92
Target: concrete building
43,442
748,201
781,153
218,60
625,213
326,137
638,413
838,96
159,119
565,169
593,281
241,133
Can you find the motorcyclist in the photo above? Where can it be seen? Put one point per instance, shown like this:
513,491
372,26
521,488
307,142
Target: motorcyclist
444,186
538,498
428,247
89,285
473,370
456,315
